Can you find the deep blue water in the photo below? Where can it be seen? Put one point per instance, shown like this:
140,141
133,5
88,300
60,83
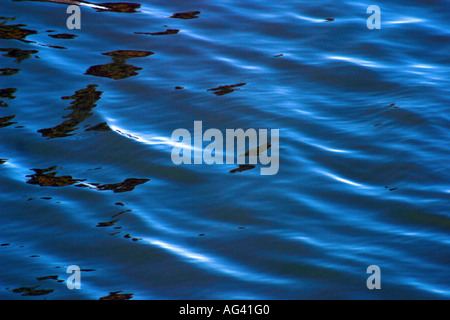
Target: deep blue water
364,120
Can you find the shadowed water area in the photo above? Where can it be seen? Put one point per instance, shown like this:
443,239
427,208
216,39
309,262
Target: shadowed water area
87,179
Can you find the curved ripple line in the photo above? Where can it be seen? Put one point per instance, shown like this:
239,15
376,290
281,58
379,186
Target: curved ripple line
215,264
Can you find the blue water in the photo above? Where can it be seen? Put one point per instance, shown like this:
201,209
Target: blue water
364,119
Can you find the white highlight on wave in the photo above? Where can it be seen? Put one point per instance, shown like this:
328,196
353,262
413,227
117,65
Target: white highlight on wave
215,264
335,177
364,63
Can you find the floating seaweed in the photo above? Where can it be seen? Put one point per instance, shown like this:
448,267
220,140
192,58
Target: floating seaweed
7,93
186,15
15,32
6,121
47,278
127,185
119,7
85,101
116,295
256,151
8,71
32,291
115,7
99,127
221,90
19,54
168,31
107,224
118,69
242,167
47,178
63,36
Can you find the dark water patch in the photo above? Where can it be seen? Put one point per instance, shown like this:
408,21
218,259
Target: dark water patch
94,169
18,54
63,36
243,167
118,69
47,178
221,90
167,32
99,127
6,121
186,15
32,291
8,71
116,295
84,101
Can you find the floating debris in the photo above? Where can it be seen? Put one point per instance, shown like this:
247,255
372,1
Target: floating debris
329,19
221,90
179,88
117,296
6,121
99,127
186,15
115,7
278,55
107,224
63,36
31,291
120,7
8,71
15,32
7,93
127,185
242,167
168,31
118,69
19,54
2,161
46,178
47,278
85,101
256,151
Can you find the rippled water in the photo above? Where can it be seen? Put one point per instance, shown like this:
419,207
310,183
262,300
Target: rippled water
86,176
